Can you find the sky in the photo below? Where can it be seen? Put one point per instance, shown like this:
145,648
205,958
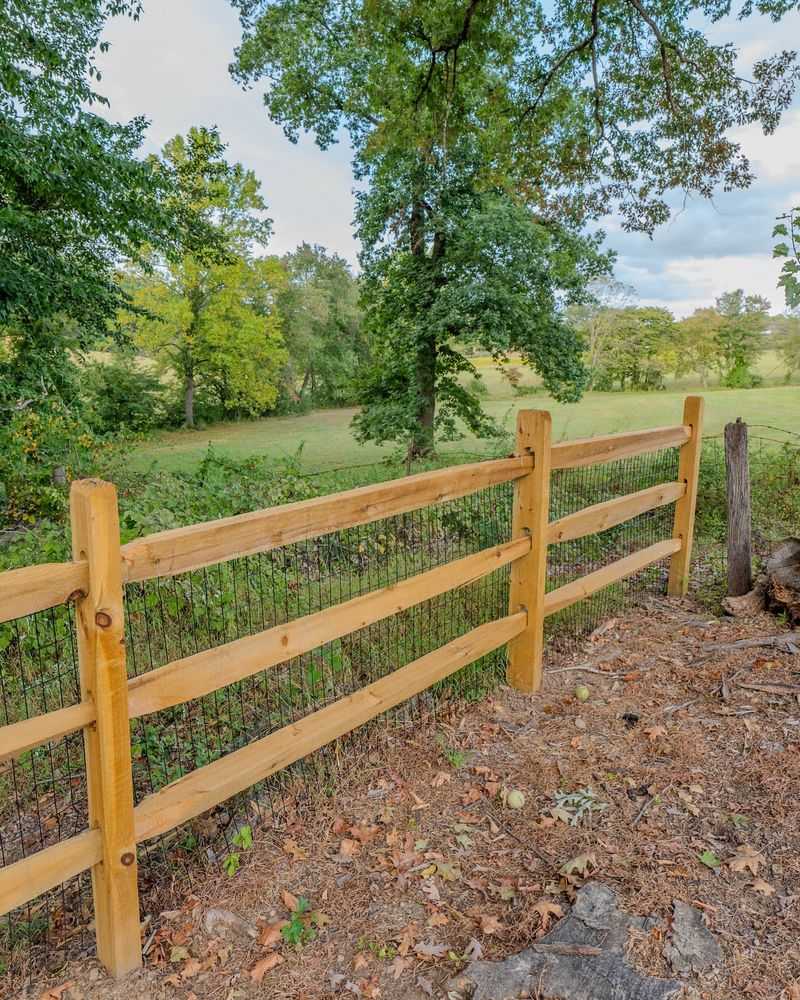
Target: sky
172,67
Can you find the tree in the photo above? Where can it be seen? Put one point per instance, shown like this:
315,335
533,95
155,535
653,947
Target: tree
639,348
740,338
74,197
786,337
322,325
534,117
594,318
214,325
788,250
698,344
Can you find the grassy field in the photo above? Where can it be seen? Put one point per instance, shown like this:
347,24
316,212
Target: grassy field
327,442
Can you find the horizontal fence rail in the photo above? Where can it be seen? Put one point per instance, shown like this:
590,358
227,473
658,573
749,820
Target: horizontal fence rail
109,700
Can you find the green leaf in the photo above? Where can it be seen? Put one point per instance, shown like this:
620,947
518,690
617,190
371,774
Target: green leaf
709,859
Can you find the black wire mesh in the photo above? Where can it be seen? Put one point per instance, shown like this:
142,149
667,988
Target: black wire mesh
42,793
573,489
166,619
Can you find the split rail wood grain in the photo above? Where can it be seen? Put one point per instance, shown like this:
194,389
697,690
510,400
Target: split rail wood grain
94,580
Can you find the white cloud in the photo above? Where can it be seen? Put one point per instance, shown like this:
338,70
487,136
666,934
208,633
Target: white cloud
695,282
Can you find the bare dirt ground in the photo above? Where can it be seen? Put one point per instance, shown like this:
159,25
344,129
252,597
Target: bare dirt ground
691,750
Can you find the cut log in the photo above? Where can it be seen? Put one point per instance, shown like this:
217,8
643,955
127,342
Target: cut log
783,580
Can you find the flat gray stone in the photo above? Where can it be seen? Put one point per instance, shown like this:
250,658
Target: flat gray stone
691,947
594,923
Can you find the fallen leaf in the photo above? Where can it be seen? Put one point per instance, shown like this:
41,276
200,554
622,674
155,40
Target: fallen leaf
746,859
473,951
178,953
580,865
265,965
759,885
547,910
408,935
289,901
363,832
399,966
293,849
491,925
441,778
360,961
655,733
709,859
427,949
349,848
438,920
271,934
340,824
56,992
447,871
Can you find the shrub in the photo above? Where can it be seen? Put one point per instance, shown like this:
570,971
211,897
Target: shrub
120,395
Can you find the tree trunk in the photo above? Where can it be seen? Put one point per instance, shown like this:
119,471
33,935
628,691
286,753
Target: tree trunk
737,474
188,401
425,372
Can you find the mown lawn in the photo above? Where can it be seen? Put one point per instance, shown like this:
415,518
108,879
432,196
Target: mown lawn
327,442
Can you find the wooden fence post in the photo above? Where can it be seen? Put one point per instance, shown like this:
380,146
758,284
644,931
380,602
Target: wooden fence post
737,483
528,574
688,472
101,653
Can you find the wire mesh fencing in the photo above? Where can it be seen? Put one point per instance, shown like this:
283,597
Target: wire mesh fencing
44,795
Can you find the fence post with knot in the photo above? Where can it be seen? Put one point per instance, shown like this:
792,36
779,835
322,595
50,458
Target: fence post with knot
101,653
689,474
528,574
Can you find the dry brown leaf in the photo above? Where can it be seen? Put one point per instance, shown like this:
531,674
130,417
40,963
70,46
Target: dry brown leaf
441,778
746,859
364,832
265,965
57,992
340,824
271,934
289,900
294,850
655,733
491,925
547,910
427,949
349,848
399,966
438,920
759,885
360,961
408,935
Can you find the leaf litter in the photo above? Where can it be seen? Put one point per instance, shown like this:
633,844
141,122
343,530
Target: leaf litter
413,868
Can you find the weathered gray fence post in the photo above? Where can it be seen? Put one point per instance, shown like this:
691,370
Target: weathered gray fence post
737,478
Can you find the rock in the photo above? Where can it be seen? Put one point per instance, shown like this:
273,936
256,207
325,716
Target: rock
582,958
691,947
227,924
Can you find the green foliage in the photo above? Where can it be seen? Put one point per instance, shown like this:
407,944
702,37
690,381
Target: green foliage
74,197
301,927
740,337
787,231
786,337
242,839
44,440
487,135
213,325
121,395
322,322
636,348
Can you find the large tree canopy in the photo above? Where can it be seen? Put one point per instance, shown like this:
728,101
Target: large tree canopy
74,197
460,109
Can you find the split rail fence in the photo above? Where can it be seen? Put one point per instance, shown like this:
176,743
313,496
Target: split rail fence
101,566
